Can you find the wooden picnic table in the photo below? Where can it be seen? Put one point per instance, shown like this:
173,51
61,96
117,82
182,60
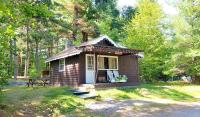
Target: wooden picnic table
39,81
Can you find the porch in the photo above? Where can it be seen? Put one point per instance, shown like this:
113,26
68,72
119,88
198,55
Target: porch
104,64
101,68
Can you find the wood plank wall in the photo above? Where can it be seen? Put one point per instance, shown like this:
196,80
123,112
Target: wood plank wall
128,65
70,76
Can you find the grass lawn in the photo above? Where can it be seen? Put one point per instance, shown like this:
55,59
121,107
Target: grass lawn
175,91
40,101
52,101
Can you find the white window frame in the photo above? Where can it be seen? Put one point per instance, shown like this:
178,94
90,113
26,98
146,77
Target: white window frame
86,67
61,70
108,57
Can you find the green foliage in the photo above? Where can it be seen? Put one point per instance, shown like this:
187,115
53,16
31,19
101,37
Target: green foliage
128,12
35,10
144,32
185,56
8,25
109,21
33,72
42,26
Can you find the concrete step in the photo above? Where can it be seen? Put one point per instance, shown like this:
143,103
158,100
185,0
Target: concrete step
87,87
90,88
87,96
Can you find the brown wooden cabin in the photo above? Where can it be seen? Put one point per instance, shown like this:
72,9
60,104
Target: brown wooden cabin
89,62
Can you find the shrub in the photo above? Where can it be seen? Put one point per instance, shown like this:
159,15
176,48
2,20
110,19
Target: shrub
33,73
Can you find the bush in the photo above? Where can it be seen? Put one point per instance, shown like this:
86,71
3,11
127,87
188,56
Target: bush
33,73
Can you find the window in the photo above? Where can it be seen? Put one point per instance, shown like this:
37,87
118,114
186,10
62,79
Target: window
112,63
62,65
107,62
101,63
90,62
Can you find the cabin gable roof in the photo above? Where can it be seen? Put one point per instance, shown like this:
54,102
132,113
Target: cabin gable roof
98,40
103,43
72,51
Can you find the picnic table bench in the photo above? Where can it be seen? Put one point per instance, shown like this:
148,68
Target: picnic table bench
39,81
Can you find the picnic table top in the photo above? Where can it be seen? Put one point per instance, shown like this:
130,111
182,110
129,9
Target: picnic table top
43,79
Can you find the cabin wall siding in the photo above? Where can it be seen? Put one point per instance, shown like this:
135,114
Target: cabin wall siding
75,68
70,76
128,65
82,68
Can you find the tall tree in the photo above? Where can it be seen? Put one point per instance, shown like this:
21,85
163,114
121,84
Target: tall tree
144,32
8,24
109,21
185,57
128,12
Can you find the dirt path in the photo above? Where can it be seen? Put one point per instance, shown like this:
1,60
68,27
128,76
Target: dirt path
187,112
140,108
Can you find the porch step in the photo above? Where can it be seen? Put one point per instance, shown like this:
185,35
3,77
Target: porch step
80,92
87,87
86,91
87,96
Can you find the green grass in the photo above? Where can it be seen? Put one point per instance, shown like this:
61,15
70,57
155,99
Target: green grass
53,101
176,91
40,101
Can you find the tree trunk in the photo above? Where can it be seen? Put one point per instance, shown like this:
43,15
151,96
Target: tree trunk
75,21
57,44
48,52
15,59
51,49
27,51
37,60
84,36
11,59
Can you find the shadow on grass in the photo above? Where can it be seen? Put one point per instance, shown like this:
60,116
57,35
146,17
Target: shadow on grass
147,91
174,83
40,101
59,101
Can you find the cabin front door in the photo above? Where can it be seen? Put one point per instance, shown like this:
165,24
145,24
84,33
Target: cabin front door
90,68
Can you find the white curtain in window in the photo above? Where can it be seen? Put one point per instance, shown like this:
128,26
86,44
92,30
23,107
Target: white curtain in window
112,63
101,63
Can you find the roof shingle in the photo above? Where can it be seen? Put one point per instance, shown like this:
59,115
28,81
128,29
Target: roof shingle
65,53
75,50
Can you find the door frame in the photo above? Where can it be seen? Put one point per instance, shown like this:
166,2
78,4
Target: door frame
86,65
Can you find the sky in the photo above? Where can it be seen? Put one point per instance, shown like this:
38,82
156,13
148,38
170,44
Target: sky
167,5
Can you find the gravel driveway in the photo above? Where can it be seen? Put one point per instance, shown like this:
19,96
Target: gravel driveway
141,108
